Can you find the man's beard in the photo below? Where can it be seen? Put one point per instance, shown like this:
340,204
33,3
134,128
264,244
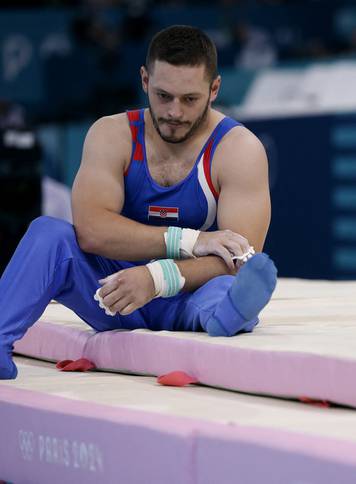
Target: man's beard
194,127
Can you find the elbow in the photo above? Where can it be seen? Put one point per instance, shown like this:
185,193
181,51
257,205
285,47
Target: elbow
86,240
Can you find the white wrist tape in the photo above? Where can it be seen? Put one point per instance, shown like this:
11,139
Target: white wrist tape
187,242
166,276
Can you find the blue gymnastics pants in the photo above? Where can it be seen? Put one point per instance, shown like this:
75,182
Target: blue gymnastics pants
49,264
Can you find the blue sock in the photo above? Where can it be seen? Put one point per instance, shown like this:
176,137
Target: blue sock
248,295
8,369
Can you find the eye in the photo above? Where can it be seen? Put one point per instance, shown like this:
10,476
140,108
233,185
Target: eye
190,99
163,96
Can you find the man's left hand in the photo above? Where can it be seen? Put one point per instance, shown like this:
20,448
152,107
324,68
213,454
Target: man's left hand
125,291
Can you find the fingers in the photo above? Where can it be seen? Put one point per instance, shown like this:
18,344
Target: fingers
110,278
98,298
121,305
111,297
238,247
109,283
246,256
225,254
241,244
116,305
108,288
234,249
130,308
117,300
125,293
230,246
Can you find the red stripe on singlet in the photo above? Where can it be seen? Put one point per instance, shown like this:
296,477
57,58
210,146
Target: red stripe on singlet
207,168
138,154
134,116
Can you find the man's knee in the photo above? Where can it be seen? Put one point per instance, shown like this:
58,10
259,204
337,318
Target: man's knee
51,231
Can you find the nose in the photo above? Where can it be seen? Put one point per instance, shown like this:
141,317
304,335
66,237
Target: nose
175,110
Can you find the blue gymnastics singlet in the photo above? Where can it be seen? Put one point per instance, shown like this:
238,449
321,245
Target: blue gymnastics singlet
191,203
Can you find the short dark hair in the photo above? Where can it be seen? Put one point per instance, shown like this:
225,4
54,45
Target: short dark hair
183,45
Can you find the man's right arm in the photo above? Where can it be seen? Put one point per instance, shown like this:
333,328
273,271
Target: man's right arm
98,197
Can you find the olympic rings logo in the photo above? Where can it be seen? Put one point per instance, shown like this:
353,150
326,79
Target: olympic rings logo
27,444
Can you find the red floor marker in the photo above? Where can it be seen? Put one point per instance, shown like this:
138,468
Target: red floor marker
176,379
316,403
78,365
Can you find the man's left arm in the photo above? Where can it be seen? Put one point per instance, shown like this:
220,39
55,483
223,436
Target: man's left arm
244,202
244,207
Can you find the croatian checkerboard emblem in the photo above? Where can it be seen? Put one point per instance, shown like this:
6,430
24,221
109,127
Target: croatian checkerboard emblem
156,212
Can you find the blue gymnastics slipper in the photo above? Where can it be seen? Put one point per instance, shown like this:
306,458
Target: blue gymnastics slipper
8,369
248,295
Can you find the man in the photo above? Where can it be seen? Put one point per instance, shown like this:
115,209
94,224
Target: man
179,184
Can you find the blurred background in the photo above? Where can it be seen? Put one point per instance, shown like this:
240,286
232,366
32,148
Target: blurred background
289,74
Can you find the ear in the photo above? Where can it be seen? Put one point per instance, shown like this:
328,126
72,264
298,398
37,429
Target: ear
214,90
144,78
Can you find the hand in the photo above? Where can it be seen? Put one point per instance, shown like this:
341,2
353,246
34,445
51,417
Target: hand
127,290
224,243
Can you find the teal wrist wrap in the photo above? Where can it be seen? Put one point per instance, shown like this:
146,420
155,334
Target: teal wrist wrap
174,236
171,277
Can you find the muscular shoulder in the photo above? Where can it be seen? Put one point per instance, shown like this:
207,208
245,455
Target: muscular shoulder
239,155
114,129
108,141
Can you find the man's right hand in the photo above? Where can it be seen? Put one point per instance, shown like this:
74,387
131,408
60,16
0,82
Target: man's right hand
223,243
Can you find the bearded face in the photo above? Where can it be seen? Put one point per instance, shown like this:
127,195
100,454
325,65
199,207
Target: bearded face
179,99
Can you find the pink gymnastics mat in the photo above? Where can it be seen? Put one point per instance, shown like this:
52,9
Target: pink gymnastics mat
305,346
82,428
